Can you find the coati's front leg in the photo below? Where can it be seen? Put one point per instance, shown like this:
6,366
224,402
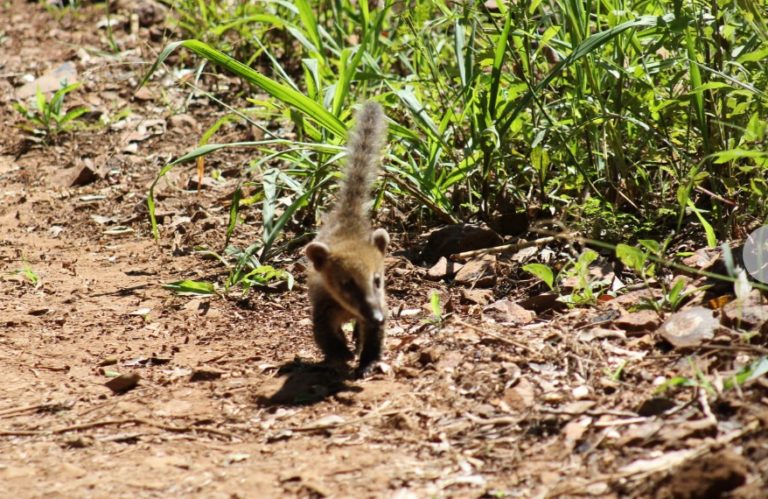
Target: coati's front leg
370,337
328,317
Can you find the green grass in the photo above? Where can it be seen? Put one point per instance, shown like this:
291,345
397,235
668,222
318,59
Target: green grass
624,119
48,119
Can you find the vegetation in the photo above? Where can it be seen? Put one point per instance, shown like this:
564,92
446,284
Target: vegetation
624,119
48,119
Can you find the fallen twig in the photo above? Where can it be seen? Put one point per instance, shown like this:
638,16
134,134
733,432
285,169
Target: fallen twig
45,406
115,422
500,249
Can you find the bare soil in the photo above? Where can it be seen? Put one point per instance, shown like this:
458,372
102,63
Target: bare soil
231,401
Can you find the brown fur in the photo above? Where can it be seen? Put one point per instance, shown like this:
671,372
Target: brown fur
346,280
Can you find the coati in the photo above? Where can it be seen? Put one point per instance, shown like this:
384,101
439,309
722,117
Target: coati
346,278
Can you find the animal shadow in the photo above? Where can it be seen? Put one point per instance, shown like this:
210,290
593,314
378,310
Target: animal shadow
307,383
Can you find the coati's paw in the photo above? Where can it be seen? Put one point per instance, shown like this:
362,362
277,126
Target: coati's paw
366,371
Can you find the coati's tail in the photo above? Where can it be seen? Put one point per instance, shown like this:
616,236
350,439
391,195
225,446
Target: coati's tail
350,214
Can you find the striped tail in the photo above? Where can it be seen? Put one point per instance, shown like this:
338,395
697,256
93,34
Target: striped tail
350,214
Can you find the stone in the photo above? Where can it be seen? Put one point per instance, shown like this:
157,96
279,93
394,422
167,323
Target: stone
443,269
689,328
479,273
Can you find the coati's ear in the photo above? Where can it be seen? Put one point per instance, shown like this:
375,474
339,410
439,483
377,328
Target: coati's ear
317,253
380,239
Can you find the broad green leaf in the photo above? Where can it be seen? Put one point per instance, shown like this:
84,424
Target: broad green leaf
541,271
188,287
631,257
748,373
434,304
732,154
710,232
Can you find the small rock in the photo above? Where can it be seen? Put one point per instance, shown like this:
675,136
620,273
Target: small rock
237,457
520,396
749,315
429,356
507,312
552,397
480,273
182,122
443,269
655,406
85,175
205,375
410,312
598,489
642,320
123,383
689,327
50,81
580,392
143,94
476,296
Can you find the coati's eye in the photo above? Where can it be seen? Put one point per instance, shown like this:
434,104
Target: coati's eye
376,281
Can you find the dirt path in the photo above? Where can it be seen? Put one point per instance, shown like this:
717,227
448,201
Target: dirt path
229,403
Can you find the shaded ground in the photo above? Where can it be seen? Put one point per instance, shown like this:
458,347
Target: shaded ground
479,404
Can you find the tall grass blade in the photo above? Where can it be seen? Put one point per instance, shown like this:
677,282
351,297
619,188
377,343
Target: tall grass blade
281,92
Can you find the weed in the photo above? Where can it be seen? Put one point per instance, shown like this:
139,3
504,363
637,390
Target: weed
29,275
436,308
49,118
189,287
576,272
713,386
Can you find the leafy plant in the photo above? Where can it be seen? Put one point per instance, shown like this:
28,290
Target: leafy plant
576,271
543,272
436,308
248,271
49,118
28,274
583,292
